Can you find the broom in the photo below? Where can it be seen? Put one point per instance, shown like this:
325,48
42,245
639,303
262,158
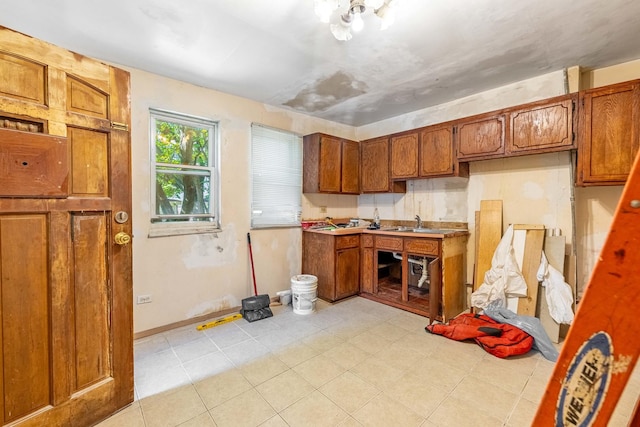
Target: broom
255,307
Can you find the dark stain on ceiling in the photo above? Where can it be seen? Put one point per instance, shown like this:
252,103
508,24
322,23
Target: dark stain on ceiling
327,93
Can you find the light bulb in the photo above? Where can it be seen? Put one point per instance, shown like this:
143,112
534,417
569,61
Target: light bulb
357,24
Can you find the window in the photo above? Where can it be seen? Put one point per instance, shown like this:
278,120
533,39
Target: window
276,177
184,186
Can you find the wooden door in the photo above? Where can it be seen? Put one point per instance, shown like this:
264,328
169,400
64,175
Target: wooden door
374,165
366,265
609,133
347,272
350,167
330,164
436,151
66,353
318,252
479,138
404,156
542,126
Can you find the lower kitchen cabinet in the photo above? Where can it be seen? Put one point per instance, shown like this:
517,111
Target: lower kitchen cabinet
366,258
335,261
422,275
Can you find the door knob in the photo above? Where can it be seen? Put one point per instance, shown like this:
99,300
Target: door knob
122,238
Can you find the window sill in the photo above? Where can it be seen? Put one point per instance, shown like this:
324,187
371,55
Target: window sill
182,229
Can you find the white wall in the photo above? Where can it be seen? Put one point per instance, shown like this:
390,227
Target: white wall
193,275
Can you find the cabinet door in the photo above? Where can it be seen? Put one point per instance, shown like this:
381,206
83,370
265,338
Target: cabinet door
404,156
481,138
330,164
317,259
436,151
542,126
366,265
347,272
609,128
374,165
350,167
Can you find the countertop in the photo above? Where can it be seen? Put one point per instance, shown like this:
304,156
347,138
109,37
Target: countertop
392,231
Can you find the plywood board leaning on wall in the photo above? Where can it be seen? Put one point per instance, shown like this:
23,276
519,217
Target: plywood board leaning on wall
533,239
489,233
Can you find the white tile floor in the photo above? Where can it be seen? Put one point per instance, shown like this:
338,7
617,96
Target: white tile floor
352,363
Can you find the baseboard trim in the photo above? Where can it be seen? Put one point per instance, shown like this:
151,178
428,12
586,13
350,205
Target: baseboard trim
200,319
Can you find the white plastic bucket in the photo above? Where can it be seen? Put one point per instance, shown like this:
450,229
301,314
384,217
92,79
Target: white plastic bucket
304,293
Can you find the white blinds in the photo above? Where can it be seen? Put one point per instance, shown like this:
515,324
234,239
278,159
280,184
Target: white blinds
276,177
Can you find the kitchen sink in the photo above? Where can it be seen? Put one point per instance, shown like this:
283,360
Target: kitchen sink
428,230
403,229
417,230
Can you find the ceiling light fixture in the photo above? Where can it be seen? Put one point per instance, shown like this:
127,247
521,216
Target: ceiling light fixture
351,19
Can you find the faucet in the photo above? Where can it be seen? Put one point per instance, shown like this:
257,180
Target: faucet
419,220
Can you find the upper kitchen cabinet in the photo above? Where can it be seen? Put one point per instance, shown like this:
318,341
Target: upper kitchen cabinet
330,165
543,126
374,166
481,137
609,125
404,155
437,153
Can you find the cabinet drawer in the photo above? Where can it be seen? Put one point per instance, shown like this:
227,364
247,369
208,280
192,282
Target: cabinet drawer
393,243
366,241
348,241
422,246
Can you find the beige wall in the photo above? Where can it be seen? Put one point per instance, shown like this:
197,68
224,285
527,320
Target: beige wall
189,276
534,189
193,275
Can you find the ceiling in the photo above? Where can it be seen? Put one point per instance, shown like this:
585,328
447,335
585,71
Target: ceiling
278,52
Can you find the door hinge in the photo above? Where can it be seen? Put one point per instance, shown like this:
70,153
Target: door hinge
120,126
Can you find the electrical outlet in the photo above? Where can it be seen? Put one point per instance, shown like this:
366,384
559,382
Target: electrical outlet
323,209
144,299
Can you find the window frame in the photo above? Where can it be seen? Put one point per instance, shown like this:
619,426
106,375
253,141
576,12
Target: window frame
169,225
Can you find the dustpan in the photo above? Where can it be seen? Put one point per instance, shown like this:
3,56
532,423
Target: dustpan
256,308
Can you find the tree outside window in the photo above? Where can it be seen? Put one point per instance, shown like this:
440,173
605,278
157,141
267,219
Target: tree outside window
183,151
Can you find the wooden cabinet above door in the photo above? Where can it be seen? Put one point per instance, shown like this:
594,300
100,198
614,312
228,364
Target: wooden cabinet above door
330,165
